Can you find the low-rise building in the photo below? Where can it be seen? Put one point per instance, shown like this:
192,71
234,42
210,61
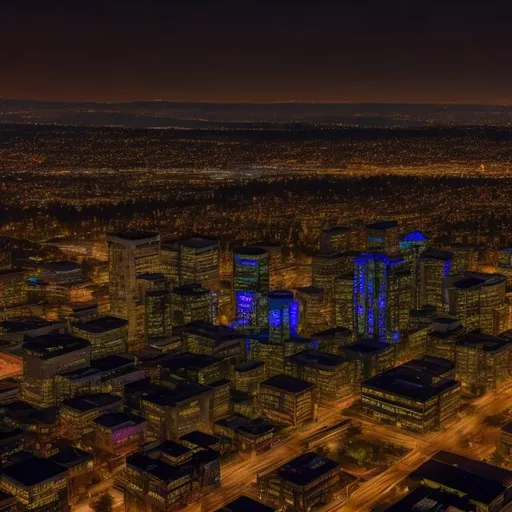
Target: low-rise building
246,504
373,355
288,401
248,376
410,399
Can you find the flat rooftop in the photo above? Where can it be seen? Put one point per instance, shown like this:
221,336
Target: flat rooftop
52,345
366,346
487,342
245,504
102,324
318,359
249,251
288,384
90,402
248,366
433,365
382,225
306,468
218,333
183,392
114,420
256,427
111,362
69,456
190,290
34,471
201,439
410,383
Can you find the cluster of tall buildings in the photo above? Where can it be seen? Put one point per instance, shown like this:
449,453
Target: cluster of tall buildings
160,371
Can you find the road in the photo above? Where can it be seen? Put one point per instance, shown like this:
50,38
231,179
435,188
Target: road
370,493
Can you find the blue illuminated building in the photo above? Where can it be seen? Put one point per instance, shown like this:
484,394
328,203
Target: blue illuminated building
412,246
381,296
283,316
251,286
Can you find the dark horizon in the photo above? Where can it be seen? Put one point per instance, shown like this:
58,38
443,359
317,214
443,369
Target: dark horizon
312,52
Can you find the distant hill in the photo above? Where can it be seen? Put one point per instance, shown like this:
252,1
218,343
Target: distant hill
163,114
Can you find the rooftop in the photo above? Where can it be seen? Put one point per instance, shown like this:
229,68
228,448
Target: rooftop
256,427
52,345
183,392
249,251
486,342
112,362
190,290
114,420
433,365
245,504
318,359
34,471
103,324
436,254
90,402
248,366
383,225
218,333
201,439
306,468
69,456
367,346
288,384
62,266
134,235
410,383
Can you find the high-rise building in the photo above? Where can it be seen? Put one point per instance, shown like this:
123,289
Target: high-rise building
158,314
412,246
13,288
192,303
46,356
435,266
107,335
283,316
465,258
383,236
193,260
344,301
130,255
335,238
382,291
313,310
251,286
325,268
482,362
478,300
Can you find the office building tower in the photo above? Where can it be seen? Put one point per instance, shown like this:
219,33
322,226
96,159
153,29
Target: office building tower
478,300
163,477
46,356
158,314
13,288
247,377
411,399
412,246
344,301
107,335
283,316
505,263
325,268
130,255
435,266
382,290
477,485
277,268
442,340
482,362
305,483
37,484
334,376
251,286
285,400
192,303
373,356
335,239
383,236
465,258
192,261
313,310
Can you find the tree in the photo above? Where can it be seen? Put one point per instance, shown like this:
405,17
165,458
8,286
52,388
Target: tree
105,503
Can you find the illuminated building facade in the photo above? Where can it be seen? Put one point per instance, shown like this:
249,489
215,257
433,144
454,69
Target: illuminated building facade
216,340
334,376
283,316
411,399
251,285
505,263
37,484
344,301
482,362
13,288
465,258
79,413
170,474
174,412
383,236
479,301
330,340
412,246
46,356
313,310
192,261
158,314
107,335
335,239
131,254
441,342
286,400
435,266
119,433
374,356
325,268
248,376
382,292
303,484
192,303
254,436
415,343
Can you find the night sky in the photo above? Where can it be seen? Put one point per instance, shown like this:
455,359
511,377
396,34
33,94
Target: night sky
390,51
